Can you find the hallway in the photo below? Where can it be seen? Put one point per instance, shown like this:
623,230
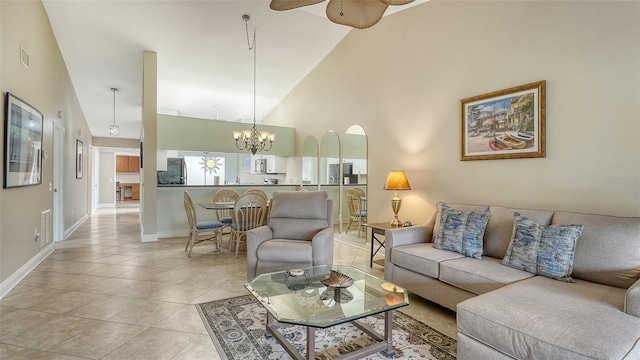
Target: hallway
103,294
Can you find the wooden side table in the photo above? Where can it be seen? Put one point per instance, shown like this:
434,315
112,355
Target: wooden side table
377,229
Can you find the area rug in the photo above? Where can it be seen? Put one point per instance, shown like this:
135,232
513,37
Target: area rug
237,327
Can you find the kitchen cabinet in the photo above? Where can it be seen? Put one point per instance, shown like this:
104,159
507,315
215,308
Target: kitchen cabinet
127,164
359,166
133,188
275,164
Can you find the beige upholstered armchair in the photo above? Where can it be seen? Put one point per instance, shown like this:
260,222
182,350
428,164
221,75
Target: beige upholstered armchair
299,234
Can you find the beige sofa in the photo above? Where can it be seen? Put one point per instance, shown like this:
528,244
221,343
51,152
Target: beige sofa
505,313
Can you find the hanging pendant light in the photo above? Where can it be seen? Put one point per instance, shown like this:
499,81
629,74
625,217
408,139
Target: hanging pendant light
253,140
114,130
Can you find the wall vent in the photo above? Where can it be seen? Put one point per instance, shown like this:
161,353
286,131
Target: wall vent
24,57
46,237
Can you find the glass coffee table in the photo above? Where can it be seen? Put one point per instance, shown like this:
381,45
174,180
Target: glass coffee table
325,296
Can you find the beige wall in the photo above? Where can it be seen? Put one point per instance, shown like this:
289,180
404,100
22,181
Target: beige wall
47,87
403,79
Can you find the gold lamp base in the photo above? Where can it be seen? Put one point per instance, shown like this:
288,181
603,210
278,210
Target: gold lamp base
396,202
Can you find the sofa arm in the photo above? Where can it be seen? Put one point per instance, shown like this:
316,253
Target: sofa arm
255,237
322,247
406,236
399,237
632,300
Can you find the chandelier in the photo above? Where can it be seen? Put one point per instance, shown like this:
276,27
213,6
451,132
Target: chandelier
359,14
253,140
114,130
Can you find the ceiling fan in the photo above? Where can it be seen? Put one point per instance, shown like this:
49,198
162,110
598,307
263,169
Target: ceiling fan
359,14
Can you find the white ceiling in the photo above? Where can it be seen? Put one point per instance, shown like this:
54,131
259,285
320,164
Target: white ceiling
205,68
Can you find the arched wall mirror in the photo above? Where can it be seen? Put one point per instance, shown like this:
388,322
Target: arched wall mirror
310,163
354,167
330,169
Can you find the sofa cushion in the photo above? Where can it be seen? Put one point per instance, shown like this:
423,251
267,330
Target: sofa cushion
459,207
608,251
497,235
421,258
479,275
541,318
461,232
546,251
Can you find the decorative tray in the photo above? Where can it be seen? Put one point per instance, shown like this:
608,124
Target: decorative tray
337,280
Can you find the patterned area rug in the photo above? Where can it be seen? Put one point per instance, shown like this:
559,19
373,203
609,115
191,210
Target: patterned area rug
237,327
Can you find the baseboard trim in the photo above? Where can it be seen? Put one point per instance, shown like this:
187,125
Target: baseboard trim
149,238
15,278
75,226
173,233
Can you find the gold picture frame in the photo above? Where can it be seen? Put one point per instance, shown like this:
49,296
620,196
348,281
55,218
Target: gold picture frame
504,124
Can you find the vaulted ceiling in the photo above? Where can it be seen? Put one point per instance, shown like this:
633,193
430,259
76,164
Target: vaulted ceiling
205,67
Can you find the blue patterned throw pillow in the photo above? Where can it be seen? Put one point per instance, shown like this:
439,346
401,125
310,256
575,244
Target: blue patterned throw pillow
461,232
546,251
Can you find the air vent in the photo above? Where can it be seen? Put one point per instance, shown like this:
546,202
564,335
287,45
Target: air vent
24,57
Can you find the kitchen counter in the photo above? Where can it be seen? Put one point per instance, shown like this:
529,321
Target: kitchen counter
224,185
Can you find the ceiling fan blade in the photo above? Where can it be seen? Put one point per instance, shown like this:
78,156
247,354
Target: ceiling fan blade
397,2
359,14
291,4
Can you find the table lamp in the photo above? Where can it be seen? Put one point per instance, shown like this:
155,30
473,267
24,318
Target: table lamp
396,180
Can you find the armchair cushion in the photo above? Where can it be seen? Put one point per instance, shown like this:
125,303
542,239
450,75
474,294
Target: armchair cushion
277,250
298,214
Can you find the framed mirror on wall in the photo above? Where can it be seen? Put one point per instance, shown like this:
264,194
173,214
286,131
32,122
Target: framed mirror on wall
330,173
310,163
354,177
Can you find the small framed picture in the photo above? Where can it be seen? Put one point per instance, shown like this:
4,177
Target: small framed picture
505,124
79,167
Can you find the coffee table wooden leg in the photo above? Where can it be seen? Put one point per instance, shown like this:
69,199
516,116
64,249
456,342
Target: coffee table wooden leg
311,343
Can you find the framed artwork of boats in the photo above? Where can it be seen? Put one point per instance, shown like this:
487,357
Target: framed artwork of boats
504,124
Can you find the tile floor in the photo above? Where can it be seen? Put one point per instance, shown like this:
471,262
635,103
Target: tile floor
105,295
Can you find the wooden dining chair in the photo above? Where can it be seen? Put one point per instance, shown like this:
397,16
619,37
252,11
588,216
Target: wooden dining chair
225,214
363,197
266,197
357,214
249,212
213,229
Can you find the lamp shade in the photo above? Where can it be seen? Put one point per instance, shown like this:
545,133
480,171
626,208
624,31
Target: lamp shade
397,180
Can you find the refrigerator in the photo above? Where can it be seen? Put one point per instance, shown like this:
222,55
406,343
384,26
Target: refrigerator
174,175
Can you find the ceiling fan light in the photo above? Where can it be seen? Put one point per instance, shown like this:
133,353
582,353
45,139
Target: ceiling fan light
280,5
356,13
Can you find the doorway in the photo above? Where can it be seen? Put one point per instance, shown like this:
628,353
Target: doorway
58,172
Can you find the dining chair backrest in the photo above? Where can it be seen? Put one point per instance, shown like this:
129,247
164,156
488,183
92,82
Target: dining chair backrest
360,192
190,209
354,201
225,195
363,197
249,212
257,191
